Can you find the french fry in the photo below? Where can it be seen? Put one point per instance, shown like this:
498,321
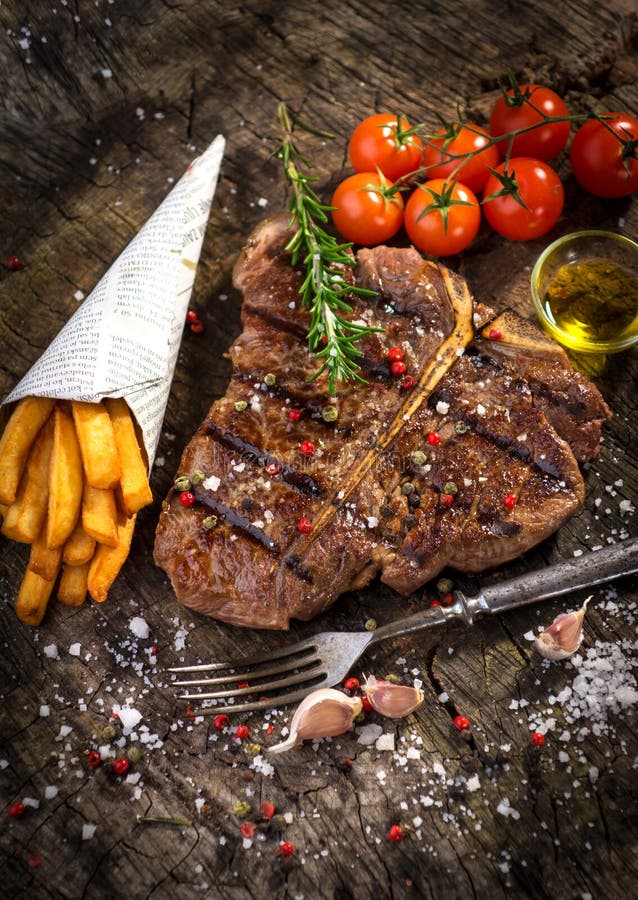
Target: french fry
99,515
97,444
72,587
65,480
44,561
108,561
79,548
26,514
25,422
134,486
33,597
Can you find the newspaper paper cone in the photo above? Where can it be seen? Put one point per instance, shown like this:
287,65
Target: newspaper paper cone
124,338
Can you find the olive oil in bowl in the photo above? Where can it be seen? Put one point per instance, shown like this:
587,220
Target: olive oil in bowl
585,290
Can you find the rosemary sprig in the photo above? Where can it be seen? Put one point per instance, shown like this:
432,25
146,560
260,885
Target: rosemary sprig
332,337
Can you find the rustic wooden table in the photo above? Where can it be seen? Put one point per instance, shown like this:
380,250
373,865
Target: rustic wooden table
103,105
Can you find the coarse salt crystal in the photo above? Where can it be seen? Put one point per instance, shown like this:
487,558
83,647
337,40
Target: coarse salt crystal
129,717
44,711
368,734
139,627
88,830
212,483
50,792
385,742
75,649
51,651
442,407
473,783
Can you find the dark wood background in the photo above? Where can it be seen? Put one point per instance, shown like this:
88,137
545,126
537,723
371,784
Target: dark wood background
101,104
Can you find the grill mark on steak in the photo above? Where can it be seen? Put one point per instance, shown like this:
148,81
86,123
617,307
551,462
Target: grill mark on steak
299,480
521,405
231,517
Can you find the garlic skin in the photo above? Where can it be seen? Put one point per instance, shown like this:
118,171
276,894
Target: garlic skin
392,700
564,636
323,713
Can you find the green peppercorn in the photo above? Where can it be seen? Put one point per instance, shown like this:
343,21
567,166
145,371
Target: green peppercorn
108,733
460,427
450,488
134,753
210,522
252,749
241,809
182,483
392,678
270,379
197,477
407,488
330,413
444,585
359,718
418,457
370,625
241,405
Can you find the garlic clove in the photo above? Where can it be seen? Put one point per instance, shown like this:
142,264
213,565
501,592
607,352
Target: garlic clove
323,713
392,700
564,636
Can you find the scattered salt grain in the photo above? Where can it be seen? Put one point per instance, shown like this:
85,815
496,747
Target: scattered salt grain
88,830
368,734
33,802
129,717
79,295
505,809
51,651
139,627
64,731
211,483
50,792
385,742
44,711
75,649
442,407
473,783
106,73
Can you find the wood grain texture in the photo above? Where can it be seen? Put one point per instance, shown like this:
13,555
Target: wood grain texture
101,104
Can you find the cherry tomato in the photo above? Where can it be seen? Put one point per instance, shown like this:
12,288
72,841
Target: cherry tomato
427,228
441,156
540,189
380,141
602,162
362,213
530,103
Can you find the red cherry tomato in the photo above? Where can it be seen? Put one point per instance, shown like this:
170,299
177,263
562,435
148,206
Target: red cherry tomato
444,157
540,189
380,141
428,229
362,213
604,157
531,102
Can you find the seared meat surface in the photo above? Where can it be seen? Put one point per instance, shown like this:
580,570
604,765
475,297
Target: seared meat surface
469,466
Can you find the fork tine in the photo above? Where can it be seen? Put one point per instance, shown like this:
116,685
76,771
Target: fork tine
302,647
297,678
255,674
266,703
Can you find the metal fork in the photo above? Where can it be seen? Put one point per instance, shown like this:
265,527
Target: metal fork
325,659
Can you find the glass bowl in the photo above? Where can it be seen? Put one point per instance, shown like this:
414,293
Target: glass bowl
585,291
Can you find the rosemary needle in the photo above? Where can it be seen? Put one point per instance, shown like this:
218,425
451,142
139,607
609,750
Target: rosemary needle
332,337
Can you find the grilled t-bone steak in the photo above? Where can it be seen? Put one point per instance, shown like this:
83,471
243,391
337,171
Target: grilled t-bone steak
470,465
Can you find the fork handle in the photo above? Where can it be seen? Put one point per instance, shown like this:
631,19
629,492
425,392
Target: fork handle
564,577
584,571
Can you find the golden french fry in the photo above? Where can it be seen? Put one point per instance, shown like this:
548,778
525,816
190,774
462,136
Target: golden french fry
97,444
72,586
79,548
44,561
99,515
27,513
108,561
65,480
33,597
135,489
25,422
